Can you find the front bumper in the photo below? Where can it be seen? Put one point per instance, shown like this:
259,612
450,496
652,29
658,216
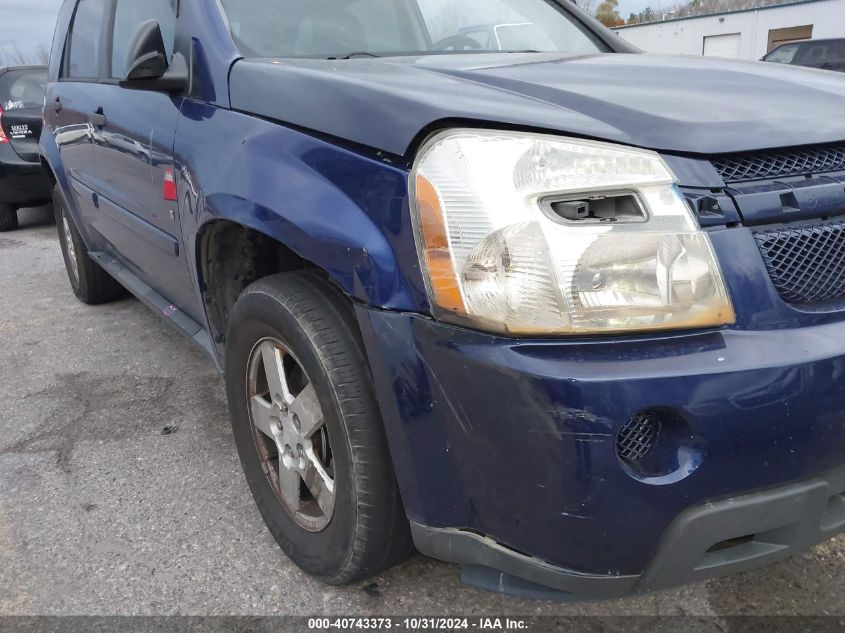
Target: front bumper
509,447
710,540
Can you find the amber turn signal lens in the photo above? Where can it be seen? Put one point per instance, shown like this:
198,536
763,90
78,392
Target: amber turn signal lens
441,271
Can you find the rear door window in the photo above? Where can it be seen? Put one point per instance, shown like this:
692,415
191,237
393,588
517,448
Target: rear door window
86,39
129,16
819,52
21,89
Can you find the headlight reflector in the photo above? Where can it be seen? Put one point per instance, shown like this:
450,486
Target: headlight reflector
535,234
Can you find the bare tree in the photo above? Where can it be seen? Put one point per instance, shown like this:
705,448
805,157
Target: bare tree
19,58
588,5
698,7
454,16
449,19
42,54
13,55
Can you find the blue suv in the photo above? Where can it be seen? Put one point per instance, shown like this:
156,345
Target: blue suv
568,315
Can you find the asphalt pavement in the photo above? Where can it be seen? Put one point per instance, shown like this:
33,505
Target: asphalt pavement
121,492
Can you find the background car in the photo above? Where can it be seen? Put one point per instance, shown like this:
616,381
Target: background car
822,54
22,182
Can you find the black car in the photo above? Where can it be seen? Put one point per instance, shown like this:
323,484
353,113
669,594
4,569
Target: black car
822,54
22,182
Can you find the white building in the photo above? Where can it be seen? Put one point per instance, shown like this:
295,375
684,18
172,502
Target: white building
747,34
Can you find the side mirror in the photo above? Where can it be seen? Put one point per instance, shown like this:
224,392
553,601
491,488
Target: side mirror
147,55
148,68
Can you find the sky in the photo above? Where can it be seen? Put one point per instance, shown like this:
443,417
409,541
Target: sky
27,23
627,7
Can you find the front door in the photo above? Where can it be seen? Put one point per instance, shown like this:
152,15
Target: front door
134,157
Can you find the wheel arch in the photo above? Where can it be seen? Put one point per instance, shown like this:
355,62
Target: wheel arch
51,165
230,257
50,159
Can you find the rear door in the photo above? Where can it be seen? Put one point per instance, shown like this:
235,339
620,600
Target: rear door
21,105
70,104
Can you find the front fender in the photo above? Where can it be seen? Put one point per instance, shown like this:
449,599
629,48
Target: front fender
345,213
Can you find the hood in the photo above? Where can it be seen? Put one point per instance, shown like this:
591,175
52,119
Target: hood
680,105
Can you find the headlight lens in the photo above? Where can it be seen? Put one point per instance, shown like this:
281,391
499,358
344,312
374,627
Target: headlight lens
534,234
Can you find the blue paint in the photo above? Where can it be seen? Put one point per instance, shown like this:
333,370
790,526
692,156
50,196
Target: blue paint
516,439
511,438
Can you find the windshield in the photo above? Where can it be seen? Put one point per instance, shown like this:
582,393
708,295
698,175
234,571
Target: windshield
22,89
783,55
342,28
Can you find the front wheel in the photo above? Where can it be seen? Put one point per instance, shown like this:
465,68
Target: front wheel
308,430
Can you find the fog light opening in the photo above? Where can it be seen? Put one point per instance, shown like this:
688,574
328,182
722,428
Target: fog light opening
638,437
657,446
731,542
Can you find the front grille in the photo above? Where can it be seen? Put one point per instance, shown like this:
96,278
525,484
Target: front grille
806,263
638,437
781,163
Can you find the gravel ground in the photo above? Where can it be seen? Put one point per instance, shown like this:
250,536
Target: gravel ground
102,514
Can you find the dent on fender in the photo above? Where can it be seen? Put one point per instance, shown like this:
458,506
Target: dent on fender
343,212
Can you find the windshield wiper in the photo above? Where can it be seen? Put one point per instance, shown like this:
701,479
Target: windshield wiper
356,54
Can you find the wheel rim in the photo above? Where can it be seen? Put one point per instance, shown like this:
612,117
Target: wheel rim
290,435
71,248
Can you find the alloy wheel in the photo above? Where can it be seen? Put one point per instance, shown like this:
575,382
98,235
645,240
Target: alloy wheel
70,247
291,436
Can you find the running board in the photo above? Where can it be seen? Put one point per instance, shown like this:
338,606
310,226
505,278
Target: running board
158,304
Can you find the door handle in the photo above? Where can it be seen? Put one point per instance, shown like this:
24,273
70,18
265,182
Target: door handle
56,106
98,119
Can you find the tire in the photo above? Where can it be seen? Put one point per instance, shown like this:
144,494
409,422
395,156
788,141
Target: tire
367,530
8,218
91,284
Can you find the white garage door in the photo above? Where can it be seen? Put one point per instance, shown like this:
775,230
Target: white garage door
722,45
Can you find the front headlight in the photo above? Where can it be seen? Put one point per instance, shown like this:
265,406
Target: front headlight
533,234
